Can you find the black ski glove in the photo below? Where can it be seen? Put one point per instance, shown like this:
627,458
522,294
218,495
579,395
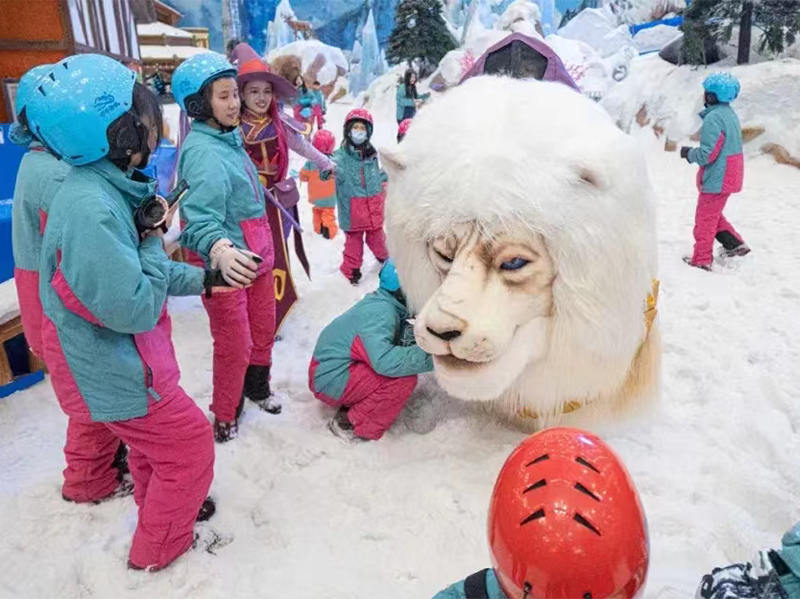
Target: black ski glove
685,152
213,278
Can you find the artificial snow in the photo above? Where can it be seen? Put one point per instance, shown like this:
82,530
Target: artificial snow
330,61
301,514
655,38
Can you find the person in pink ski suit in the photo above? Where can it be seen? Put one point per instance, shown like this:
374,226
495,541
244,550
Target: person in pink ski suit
366,362
721,171
226,227
360,194
104,283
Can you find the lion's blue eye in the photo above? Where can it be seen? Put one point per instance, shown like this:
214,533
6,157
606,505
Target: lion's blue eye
514,264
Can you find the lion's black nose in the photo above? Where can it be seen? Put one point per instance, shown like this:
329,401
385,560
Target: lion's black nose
444,335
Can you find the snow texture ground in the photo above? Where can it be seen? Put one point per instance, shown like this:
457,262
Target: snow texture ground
716,461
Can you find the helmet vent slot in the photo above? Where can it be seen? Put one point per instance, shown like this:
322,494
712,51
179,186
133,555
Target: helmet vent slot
579,518
537,460
535,486
581,488
586,463
539,514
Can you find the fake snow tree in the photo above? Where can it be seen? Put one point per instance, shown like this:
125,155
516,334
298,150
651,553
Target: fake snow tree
367,58
420,33
714,20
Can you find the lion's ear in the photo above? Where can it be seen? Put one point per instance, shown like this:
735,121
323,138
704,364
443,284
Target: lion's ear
393,161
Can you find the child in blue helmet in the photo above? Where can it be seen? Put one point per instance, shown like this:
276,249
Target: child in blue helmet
38,179
721,171
226,226
104,282
366,362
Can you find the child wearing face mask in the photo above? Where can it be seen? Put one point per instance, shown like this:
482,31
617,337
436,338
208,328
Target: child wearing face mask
360,193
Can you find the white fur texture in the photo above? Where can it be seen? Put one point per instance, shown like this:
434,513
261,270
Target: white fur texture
510,156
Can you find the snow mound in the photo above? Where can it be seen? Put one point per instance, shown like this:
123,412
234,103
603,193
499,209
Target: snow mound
599,28
642,11
655,38
319,61
672,96
521,16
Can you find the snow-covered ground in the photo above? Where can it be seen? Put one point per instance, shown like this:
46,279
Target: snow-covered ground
716,461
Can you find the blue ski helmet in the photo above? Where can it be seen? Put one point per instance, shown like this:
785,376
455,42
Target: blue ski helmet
388,277
723,85
74,104
27,85
18,133
192,75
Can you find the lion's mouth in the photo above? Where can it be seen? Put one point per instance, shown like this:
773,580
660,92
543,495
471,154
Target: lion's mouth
453,363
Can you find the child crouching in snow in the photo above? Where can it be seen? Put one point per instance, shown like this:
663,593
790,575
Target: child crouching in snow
360,183
362,364
721,171
322,194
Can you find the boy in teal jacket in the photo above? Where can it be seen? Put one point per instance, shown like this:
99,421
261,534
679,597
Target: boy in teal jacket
721,171
366,363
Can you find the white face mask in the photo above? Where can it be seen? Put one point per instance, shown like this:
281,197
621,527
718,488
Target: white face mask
358,137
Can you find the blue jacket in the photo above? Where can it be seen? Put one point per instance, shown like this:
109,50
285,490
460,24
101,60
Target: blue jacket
482,584
225,197
38,179
720,153
105,292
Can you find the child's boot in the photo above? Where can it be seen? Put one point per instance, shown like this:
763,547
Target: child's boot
688,261
326,233
341,427
225,431
355,276
256,387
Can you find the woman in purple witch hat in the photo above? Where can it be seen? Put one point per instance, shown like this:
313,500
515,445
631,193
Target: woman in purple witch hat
268,136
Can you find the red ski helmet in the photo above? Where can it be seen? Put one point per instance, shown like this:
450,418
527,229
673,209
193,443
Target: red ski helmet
358,114
565,520
402,129
324,141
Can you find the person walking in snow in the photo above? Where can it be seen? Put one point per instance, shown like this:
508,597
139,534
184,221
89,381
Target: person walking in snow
322,194
226,227
360,194
408,100
39,178
721,171
104,284
318,107
565,521
366,362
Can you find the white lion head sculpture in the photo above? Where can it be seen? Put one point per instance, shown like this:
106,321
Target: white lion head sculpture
522,225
